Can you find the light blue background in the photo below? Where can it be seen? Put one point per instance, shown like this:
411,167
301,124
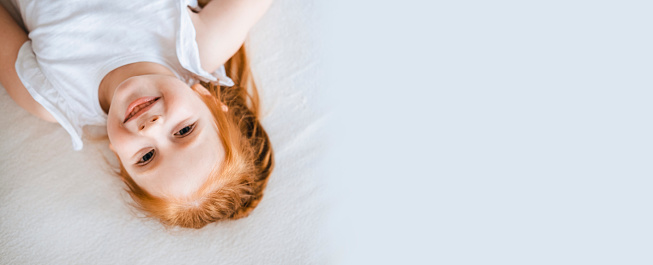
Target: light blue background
490,132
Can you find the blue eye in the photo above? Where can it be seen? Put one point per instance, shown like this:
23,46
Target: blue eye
146,158
185,131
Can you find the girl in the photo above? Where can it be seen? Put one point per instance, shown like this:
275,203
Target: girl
191,148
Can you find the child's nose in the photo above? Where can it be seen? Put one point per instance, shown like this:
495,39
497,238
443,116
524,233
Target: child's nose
149,122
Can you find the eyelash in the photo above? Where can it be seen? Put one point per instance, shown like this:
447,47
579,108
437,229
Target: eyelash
143,161
189,130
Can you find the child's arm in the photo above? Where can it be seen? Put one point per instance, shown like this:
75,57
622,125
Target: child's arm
222,27
12,37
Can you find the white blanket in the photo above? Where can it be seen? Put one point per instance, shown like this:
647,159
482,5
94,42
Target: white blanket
58,206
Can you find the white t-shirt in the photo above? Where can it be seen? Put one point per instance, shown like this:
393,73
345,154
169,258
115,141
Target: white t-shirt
75,43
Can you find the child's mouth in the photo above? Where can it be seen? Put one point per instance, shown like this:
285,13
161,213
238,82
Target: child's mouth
139,106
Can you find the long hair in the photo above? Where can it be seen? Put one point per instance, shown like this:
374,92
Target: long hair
236,187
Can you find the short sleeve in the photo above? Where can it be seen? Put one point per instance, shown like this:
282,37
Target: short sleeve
35,81
188,51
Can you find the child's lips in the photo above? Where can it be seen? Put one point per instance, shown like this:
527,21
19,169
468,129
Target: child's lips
139,106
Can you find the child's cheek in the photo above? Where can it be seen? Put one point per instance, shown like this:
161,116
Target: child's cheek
121,140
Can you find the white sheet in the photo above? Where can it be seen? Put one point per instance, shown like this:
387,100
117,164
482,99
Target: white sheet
58,206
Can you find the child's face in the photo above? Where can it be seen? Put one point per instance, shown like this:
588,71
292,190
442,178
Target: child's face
163,134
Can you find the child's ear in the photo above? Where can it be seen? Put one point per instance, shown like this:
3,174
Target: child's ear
200,89
224,107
